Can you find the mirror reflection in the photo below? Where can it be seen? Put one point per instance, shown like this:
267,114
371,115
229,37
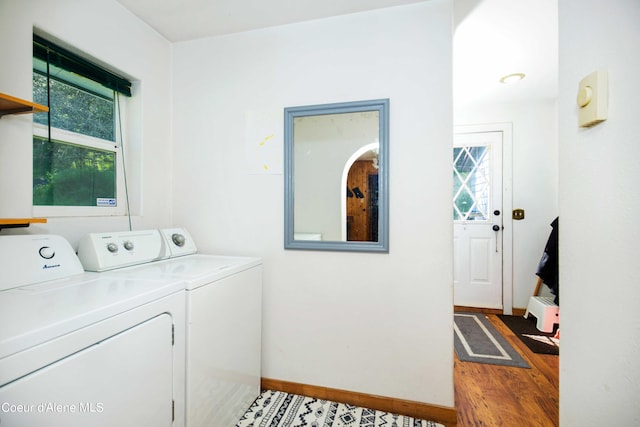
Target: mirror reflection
335,176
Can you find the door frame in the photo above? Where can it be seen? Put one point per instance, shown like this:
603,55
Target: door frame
507,203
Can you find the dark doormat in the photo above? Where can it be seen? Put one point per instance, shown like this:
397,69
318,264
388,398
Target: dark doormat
537,341
476,340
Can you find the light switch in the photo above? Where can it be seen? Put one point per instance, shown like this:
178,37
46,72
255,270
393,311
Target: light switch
592,99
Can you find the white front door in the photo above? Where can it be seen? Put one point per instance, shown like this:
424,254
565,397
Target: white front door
477,219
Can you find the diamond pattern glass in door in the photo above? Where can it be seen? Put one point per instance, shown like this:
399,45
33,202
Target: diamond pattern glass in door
471,183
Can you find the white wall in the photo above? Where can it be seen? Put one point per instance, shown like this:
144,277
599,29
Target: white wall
108,33
372,323
535,180
599,205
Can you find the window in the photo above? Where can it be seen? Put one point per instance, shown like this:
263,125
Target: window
471,183
76,146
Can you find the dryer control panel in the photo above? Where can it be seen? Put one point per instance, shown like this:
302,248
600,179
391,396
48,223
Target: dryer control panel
36,258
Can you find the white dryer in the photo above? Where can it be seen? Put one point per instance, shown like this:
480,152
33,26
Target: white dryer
82,349
224,319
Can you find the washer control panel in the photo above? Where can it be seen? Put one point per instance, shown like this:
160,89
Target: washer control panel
108,251
179,242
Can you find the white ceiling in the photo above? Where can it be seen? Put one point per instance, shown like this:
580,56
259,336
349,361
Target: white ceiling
180,20
493,37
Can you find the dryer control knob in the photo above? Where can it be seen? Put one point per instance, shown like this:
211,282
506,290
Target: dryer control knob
128,245
178,239
112,247
46,252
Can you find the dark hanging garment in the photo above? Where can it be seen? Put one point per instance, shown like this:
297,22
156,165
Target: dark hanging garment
548,267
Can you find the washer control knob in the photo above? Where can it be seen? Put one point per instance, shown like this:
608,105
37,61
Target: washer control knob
128,245
112,247
178,239
46,252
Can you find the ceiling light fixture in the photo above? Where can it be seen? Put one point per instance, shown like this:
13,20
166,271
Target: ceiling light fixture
512,78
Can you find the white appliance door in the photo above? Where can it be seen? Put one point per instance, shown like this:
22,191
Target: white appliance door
123,380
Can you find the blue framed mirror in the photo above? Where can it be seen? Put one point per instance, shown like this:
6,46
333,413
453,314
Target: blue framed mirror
337,176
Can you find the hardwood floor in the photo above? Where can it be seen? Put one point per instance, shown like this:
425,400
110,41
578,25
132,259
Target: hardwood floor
491,395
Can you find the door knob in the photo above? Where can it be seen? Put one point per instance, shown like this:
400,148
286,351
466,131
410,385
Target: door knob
496,227
496,212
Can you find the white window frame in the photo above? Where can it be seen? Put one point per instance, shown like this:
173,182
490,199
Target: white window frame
91,142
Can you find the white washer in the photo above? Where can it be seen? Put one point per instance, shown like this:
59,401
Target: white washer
224,323
79,349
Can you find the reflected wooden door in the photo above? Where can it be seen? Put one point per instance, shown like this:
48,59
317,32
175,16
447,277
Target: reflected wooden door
362,202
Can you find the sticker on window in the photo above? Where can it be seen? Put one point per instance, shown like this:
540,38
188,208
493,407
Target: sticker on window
106,202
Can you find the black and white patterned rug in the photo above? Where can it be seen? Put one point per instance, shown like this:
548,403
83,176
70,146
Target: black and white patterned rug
278,409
